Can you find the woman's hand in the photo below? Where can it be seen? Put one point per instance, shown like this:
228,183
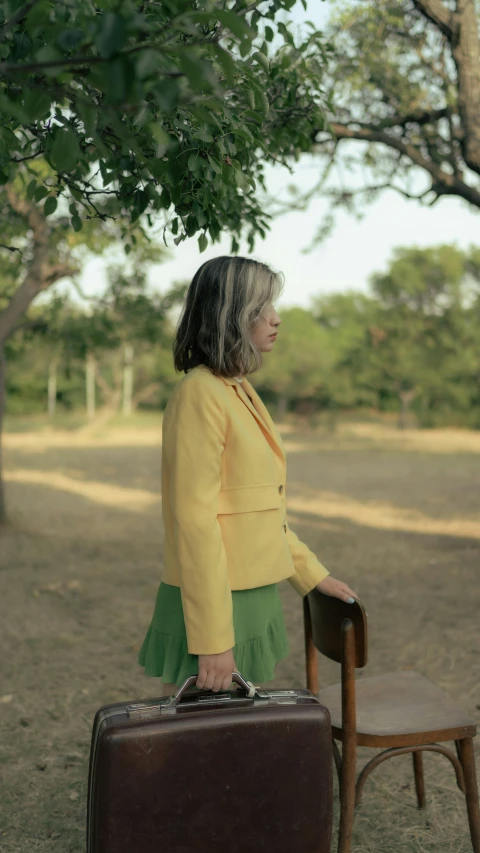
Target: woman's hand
215,671
337,589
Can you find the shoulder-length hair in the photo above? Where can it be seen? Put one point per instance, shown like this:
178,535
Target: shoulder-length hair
225,299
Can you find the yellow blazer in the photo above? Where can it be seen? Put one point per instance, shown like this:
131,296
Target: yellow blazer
223,488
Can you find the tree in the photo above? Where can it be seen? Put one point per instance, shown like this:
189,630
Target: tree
420,346
123,327
40,251
170,110
413,342
125,314
302,365
405,85
347,318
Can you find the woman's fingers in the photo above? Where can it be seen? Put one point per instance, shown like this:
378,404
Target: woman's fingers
348,592
207,682
200,682
345,593
219,682
337,589
214,680
214,670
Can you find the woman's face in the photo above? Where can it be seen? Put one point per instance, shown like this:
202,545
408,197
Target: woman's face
264,332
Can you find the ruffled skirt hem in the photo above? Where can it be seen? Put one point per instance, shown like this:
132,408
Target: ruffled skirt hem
167,656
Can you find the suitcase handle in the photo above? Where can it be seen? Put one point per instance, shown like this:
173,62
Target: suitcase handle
249,688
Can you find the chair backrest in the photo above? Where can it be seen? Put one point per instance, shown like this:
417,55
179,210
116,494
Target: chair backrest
327,615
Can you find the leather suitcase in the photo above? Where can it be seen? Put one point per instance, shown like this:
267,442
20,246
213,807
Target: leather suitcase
244,769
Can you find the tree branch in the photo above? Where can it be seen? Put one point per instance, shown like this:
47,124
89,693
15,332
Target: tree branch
449,184
438,14
102,383
17,17
8,68
416,117
40,274
17,68
81,293
390,186
145,393
10,248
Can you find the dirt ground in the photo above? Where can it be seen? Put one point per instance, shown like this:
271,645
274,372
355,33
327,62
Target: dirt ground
396,515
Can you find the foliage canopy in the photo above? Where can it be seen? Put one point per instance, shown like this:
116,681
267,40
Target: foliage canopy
168,111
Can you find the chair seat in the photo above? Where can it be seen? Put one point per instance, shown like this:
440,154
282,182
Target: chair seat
399,709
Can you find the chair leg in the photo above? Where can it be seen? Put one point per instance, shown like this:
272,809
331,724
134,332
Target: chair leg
419,778
468,763
347,801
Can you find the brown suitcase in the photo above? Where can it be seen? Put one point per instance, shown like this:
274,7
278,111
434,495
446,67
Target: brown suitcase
216,772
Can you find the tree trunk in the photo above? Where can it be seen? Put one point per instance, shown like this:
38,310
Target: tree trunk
112,398
40,275
466,53
90,386
3,388
145,393
127,379
52,388
405,397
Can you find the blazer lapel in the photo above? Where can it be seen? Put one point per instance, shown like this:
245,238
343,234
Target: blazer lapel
258,410
245,390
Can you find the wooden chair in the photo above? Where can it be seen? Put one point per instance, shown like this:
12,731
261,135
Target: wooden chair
401,712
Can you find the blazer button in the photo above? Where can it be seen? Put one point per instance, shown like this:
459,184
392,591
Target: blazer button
280,490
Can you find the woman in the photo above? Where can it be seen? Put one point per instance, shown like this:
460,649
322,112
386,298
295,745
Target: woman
227,541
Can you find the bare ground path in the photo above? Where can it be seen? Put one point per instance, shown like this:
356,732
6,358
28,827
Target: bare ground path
395,515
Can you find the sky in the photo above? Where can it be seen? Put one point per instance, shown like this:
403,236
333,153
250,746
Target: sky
346,259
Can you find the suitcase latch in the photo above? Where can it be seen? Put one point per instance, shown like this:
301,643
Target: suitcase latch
145,712
279,697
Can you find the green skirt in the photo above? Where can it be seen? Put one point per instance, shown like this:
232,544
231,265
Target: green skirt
260,636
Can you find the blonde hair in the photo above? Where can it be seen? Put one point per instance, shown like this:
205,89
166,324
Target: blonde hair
225,299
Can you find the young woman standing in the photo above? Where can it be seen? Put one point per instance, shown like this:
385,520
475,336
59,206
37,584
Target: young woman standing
227,540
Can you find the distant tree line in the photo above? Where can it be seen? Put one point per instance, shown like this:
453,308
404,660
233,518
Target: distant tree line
411,345
111,353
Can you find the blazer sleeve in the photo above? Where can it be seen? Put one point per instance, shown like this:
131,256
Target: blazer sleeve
193,444
308,570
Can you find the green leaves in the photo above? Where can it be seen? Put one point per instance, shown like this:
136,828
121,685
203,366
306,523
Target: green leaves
215,165
195,162
166,110
76,223
160,136
36,104
40,193
262,60
226,62
31,189
50,205
65,151
70,39
236,24
112,34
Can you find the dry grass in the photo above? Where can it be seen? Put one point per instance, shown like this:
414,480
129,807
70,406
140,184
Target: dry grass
395,514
